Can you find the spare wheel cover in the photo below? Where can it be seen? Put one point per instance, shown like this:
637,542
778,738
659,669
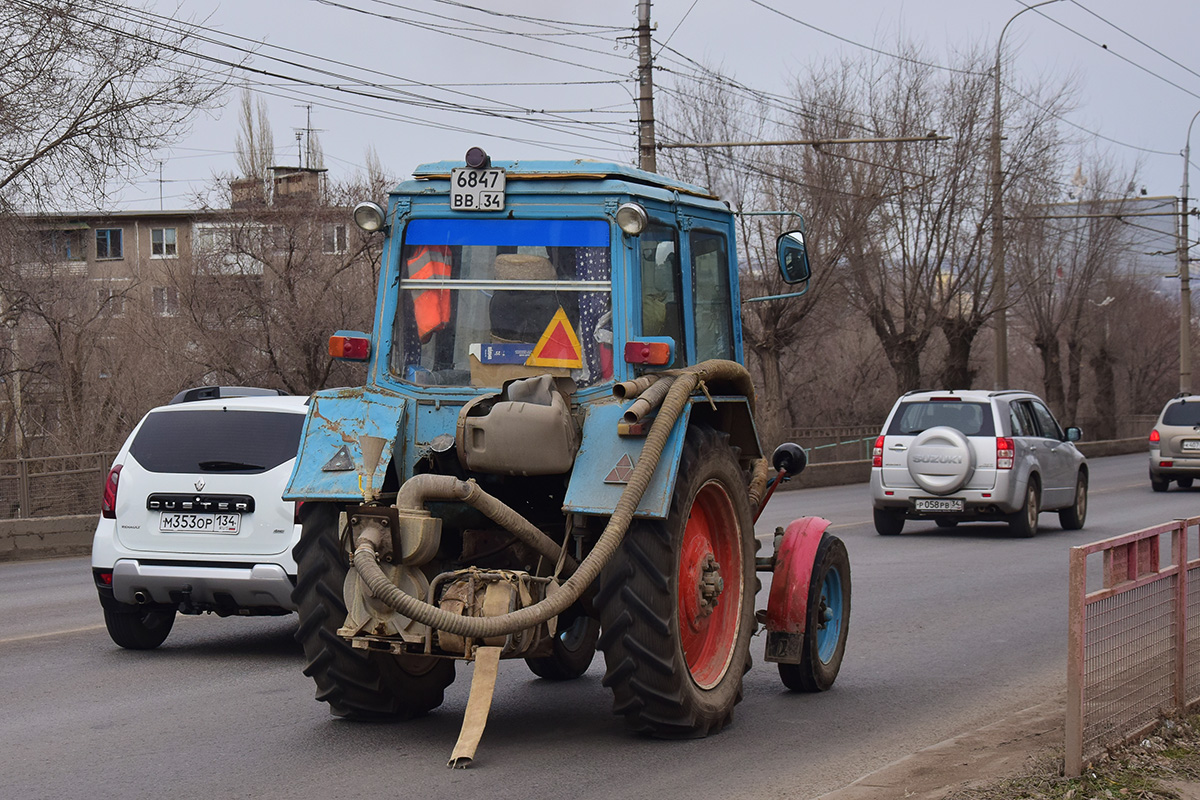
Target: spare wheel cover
940,460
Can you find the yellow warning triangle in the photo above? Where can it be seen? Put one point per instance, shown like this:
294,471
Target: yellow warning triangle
559,346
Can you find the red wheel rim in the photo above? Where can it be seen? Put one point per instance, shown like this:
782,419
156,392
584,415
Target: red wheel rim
709,613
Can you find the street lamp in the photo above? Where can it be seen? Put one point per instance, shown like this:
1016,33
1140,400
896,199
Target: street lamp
1000,285
1185,285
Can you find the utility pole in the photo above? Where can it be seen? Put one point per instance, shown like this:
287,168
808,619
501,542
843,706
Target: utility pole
999,279
646,147
1185,284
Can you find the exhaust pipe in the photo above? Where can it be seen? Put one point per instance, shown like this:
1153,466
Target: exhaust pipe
141,598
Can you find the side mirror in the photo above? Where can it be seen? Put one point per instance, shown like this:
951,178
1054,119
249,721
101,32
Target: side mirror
793,257
1074,434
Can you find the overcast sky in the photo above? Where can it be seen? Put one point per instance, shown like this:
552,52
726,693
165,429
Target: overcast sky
443,75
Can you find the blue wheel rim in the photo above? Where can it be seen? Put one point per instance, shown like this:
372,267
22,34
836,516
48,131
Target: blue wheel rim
829,619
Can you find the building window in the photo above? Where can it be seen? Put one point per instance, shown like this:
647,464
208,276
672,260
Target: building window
109,244
334,239
162,243
166,301
111,303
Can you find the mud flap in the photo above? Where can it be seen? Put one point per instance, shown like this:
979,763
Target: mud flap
787,604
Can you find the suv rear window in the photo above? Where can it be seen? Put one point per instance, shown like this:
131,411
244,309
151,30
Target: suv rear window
972,419
1182,414
243,442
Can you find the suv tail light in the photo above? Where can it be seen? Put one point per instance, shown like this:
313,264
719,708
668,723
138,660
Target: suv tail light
108,505
877,452
1004,452
1154,437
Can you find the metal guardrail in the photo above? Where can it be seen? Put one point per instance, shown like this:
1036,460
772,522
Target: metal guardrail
1133,643
52,486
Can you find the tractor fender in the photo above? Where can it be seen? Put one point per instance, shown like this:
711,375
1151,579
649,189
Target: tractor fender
607,456
330,457
787,605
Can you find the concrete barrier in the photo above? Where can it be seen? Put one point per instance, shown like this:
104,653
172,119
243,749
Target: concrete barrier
46,537
54,537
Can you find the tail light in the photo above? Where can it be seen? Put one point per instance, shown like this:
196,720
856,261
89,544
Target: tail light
877,452
108,505
296,515
1005,451
1154,437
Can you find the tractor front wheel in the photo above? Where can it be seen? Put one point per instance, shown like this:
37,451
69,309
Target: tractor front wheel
356,684
677,600
827,623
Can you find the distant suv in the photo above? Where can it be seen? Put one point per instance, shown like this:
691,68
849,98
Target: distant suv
1175,444
192,516
976,455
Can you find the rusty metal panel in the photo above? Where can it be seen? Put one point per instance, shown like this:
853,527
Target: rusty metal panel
1129,662
1133,643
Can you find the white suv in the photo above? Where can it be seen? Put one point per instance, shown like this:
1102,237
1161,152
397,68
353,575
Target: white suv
193,518
976,455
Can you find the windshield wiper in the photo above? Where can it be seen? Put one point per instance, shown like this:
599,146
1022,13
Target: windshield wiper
227,466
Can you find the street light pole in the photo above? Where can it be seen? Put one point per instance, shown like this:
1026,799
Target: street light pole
1185,284
999,279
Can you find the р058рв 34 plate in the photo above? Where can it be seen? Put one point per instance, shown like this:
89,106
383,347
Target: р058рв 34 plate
939,504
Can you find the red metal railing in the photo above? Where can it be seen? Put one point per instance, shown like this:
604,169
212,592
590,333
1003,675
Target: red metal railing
1133,646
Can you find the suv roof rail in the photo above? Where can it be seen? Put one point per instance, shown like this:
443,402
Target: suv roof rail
1007,391
217,392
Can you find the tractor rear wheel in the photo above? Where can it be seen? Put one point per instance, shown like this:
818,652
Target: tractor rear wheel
677,600
356,684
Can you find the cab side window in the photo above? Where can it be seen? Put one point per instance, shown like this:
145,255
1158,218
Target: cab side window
1049,426
661,286
712,305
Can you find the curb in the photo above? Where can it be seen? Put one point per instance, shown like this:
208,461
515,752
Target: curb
997,750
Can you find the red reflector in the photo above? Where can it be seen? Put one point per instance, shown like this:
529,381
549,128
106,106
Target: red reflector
986,494
1154,435
877,452
108,504
1005,450
889,494
350,348
655,353
105,578
1166,463
296,515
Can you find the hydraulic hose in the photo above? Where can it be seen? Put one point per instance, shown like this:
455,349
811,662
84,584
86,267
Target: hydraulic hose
648,400
606,546
420,488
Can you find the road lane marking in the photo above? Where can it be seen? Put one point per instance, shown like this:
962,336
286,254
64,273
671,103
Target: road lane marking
31,636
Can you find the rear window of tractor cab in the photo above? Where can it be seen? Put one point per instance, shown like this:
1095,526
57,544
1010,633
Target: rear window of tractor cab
212,440
1182,414
971,419
483,301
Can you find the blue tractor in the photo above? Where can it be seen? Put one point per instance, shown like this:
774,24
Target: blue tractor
554,451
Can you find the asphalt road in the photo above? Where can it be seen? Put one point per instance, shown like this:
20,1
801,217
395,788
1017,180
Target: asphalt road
950,630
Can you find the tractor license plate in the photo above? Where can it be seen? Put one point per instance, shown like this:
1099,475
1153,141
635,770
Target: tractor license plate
476,189
939,504
1191,444
173,522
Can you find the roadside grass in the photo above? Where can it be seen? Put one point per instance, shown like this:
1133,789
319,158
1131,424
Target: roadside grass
1142,770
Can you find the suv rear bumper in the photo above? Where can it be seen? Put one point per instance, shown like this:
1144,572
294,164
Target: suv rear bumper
253,587
1180,467
992,503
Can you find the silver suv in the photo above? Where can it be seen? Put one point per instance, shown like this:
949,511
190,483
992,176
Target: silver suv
1175,444
193,518
954,456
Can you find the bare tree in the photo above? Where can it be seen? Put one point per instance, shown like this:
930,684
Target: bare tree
1064,254
87,94
255,146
